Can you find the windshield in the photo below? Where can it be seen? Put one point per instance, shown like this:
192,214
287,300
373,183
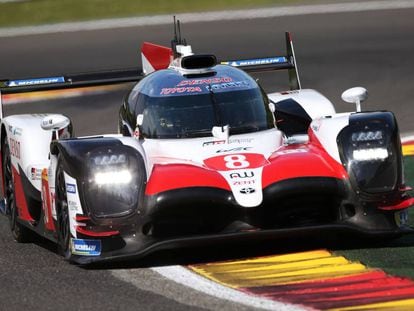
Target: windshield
244,111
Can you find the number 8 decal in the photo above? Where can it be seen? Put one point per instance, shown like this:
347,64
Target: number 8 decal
236,161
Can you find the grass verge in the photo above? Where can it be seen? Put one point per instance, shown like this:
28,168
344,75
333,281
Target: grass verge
35,12
397,256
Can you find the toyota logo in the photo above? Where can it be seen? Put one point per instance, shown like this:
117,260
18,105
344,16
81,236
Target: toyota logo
247,190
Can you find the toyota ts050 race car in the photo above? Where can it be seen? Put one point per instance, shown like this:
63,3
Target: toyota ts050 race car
202,155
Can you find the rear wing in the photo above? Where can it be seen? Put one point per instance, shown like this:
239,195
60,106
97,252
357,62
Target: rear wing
149,53
14,86
287,62
155,57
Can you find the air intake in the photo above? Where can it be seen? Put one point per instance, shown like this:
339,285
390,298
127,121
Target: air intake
192,62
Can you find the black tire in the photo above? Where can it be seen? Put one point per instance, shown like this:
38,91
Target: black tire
62,211
19,232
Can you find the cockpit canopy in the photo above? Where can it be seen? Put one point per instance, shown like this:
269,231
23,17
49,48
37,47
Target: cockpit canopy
173,105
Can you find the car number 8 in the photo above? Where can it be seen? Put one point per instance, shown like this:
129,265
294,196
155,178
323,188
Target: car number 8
236,161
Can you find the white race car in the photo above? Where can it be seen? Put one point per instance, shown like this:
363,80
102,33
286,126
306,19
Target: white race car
202,155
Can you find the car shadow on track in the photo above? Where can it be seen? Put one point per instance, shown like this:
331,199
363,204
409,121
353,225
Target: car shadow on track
238,251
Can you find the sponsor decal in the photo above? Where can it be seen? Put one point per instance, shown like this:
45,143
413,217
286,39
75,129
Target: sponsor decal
256,62
401,218
50,80
244,182
219,86
240,140
231,141
47,122
17,131
214,142
180,90
15,148
247,190
86,247
248,174
205,81
73,205
36,173
237,149
71,188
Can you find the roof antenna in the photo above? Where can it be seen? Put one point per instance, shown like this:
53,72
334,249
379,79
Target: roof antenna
177,40
174,41
179,33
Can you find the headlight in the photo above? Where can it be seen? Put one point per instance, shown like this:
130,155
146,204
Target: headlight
369,148
111,159
367,136
113,177
370,154
111,169
114,181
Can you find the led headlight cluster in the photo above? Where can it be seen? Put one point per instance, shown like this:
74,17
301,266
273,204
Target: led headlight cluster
112,159
113,181
113,177
370,154
369,149
366,136
369,145
111,169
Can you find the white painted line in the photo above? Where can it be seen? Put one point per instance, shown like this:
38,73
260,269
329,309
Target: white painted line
190,279
209,17
407,137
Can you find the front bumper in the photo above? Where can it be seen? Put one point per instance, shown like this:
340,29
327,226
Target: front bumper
293,208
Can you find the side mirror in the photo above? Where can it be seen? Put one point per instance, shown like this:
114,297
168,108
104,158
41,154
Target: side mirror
54,122
355,95
58,124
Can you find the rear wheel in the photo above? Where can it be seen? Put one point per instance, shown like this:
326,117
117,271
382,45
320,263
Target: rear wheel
20,233
63,225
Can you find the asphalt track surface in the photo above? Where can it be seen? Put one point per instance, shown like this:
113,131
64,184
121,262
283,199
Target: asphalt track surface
334,51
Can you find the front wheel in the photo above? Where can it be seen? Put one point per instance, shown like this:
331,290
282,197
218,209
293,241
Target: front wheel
20,233
63,222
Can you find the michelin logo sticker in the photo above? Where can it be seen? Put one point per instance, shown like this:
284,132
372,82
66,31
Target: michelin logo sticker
86,247
71,188
38,81
256,62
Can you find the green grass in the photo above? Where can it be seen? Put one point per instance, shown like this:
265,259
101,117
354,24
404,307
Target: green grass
37,12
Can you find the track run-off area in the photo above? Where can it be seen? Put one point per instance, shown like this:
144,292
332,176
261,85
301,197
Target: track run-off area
338,49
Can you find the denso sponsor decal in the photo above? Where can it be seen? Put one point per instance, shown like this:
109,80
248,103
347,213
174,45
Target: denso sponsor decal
86,247
71,188
49,80
205,81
